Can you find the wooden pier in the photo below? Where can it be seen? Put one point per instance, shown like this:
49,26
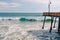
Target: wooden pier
53,14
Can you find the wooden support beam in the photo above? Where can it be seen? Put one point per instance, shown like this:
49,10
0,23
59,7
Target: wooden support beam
59,25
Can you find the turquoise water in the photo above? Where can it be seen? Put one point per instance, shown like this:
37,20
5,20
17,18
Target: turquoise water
19,14
36,16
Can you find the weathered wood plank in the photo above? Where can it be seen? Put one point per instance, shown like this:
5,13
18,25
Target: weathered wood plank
51,14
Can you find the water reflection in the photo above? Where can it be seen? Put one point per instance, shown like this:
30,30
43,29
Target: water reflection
45,35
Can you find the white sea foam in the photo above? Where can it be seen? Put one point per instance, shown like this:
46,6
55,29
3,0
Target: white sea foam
16,30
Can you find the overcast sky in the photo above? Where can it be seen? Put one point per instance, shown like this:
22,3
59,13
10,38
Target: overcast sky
28,5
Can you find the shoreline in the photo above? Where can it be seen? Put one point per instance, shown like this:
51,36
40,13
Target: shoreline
14,28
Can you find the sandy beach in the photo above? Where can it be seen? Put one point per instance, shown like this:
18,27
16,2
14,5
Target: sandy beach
16,30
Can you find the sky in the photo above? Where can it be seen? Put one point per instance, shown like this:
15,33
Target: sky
29,6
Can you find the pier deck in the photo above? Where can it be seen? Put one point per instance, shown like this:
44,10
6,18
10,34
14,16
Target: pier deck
55,14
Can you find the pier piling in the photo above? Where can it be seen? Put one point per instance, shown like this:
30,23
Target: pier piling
59,25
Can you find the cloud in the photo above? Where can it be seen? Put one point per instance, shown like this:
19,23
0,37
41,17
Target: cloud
54,2
37,1
30,5
33,1
3,3
14,5
9,5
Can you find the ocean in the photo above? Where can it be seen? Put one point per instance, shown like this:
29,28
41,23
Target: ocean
39,34
19,14
37,16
